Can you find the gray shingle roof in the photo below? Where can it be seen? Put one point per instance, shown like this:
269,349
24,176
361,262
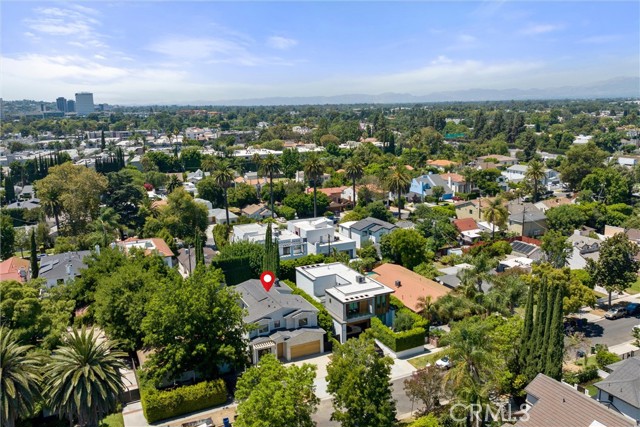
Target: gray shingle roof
624,382
560,405
57,267
372,225
261,304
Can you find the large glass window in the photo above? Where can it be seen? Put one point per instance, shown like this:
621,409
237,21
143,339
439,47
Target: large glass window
303,322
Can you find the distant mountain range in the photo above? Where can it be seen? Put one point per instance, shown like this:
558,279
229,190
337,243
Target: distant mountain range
621,87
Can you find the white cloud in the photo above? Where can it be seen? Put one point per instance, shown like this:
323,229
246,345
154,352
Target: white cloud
536,29
281,43
76,22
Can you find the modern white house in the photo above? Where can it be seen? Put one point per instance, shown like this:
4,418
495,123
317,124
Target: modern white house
366,229
351,298
516,173
290,245
286,325
320,236
153,245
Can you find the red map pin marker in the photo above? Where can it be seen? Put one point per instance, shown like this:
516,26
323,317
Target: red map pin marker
267,278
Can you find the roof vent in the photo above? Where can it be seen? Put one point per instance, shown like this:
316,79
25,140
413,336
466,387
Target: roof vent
398,283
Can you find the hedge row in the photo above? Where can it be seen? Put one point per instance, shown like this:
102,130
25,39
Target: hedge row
397,341
324,318
236,270
162,404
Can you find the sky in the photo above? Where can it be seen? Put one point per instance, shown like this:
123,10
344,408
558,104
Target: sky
177,52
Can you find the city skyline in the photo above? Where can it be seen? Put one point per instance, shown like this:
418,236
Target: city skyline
168,52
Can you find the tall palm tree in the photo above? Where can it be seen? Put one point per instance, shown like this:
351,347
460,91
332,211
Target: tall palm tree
173,183
19,379
496,214
354,170
223,176
399,182
535,175
83,378
107,223
313,170
256,160
270,165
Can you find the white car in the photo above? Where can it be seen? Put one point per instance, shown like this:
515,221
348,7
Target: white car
443,363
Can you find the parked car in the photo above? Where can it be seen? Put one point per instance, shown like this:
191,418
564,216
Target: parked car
443,363
633,309
616,313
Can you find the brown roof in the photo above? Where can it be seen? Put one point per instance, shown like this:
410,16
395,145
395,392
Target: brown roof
250,181
252,209
412,285
562,406
455,177
10,268
441,163
329,191
465,224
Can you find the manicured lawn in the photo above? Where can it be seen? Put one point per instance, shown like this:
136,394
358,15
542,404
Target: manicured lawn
592,389
421,361
113,420
591,361
635,288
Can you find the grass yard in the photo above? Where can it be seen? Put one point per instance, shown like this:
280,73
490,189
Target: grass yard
635,288
113,420
422,361
591,361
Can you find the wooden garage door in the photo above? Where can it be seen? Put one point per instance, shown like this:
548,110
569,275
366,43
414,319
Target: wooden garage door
305,349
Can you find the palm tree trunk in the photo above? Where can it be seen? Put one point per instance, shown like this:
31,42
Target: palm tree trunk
354,193
226,205
55,216
399,214
315,207
271,191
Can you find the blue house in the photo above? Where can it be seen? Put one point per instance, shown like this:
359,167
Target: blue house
422,186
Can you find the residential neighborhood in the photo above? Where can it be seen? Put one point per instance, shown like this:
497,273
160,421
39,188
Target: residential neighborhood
307,214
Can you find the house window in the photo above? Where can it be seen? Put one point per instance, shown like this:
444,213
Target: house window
470,211
286,251
264,329
303,322
276,324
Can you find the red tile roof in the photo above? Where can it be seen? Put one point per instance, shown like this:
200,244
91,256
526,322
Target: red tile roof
10,268
158,244
465,224
455,177
412,285
441,163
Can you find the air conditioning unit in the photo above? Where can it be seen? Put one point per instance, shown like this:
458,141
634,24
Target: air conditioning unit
360,279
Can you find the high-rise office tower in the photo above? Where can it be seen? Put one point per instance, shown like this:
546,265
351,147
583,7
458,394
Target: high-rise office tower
61,103
84,103
71,106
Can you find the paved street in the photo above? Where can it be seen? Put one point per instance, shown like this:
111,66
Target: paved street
611,332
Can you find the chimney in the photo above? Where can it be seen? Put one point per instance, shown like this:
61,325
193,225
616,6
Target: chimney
69,269
398,283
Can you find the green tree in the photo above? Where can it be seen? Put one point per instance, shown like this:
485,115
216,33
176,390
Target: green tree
556,248
555,348
209,190
358,379
223,176
270,166
404,246
566,218
534,176
607,185
437,192
34,256
271,394
290,162
7,236
496,214
580,160
354,170
183,216
313,170
9,190
616,267
173,183
60,192
124,195
83,380
19,379
399,182
198,325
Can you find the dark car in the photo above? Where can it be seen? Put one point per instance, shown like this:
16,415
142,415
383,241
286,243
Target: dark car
633,309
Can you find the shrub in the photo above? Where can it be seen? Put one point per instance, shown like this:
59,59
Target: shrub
582,376
161,404
397,341
221,235
604,358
